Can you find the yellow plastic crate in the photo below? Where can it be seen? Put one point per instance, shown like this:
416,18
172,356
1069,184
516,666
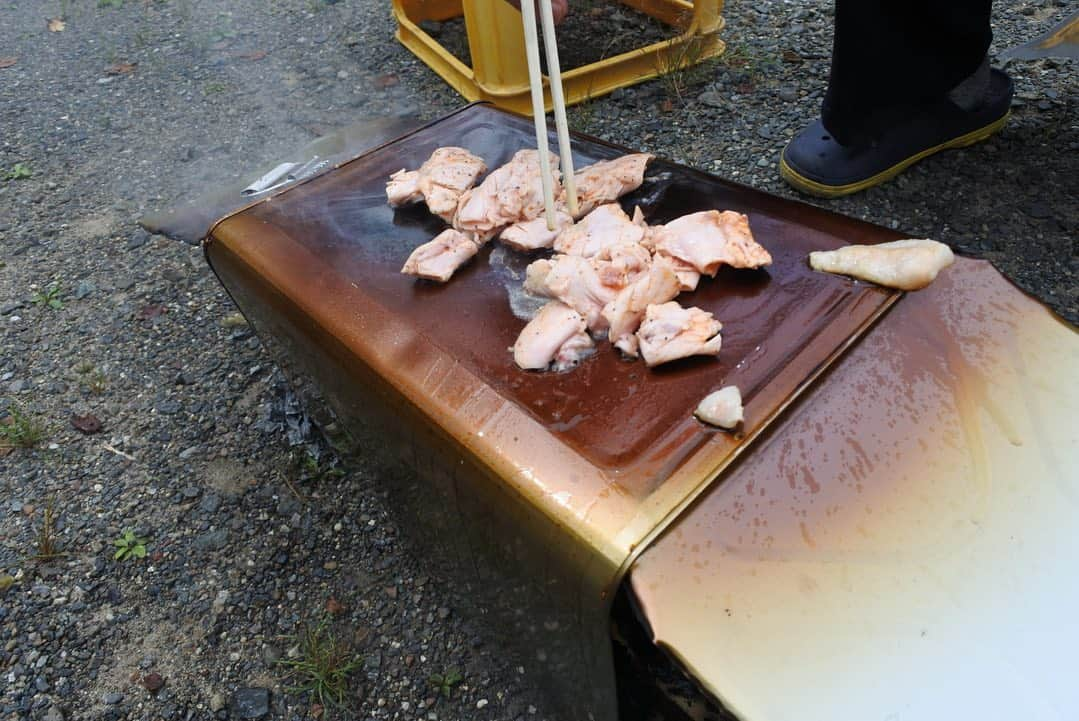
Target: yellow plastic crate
499,71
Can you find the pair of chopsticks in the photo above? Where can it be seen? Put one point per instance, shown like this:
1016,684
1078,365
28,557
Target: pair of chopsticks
554,72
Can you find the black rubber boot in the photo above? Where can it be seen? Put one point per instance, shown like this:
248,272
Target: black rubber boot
815,163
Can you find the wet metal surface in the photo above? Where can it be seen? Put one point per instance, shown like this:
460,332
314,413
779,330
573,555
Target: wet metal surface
543,487
902,543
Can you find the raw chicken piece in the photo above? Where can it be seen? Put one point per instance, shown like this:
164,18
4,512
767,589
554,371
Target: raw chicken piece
510,194
439,258
605,226
625,312
557,334
533,234
722,408
670,332
709,239
574,281
904,264
440,181
608,180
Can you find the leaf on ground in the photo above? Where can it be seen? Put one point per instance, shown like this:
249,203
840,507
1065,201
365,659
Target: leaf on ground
153,682
334,607
234,320
121,68
55,25
149,312
8,62
386,81
666,106
253,55
789,56
88,424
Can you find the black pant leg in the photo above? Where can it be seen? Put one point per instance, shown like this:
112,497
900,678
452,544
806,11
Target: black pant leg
897,53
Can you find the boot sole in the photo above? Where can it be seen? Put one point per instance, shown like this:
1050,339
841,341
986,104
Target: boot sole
821,190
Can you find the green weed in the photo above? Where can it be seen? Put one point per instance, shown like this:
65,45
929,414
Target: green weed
19,171
128,546
49,297
322,667
18,430
443,683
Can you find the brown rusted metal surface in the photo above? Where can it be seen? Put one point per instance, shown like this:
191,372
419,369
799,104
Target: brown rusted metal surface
559,479
903,540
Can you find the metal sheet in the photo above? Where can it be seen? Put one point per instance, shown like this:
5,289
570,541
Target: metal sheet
574,472
902,545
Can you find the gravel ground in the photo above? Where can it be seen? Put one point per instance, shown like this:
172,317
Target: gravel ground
135,105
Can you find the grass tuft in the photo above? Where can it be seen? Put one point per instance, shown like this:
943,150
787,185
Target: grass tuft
322,667
47,547
19,430
91,378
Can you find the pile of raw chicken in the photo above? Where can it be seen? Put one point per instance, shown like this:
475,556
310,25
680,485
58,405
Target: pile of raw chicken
611,276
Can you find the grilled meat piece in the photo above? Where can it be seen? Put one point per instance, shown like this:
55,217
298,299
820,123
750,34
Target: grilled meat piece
625,312
557,334
511,194
722,408
589,284
709,239
440,181
688,276
533,234
438,259
670,332
574,281
608,180
904,264
605,226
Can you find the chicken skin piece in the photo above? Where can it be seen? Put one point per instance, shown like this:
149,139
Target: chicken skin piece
557,334
670,332
533,234
903,264
722,408
688,276
574,281
510,194
709,239
440,181
589,284
625,312
605,226
536,277
608,180
438,259
621,264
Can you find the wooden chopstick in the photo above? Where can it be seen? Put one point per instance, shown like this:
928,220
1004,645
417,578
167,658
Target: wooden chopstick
554,72
535,79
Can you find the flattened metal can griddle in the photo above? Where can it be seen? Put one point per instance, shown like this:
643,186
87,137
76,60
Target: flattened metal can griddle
536,490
